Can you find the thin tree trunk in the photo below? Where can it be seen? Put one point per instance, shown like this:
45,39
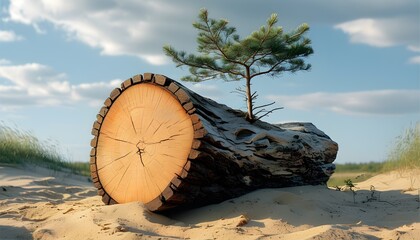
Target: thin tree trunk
250,116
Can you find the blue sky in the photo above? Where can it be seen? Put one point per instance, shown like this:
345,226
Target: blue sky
60,59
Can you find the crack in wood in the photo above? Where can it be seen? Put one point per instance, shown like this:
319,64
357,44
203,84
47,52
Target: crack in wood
151,177
129,164
113,161
172,124
112,179
170,138
132,124
116,139
148,127
160,125
139,152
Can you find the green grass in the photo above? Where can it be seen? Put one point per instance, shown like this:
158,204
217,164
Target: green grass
405,155
360,167
23,148
356,172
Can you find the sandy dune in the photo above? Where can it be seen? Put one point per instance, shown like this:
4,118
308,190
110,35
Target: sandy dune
43,204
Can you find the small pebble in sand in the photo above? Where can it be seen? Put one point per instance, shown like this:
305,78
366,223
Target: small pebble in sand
243,220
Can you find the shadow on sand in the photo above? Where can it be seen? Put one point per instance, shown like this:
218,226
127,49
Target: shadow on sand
314,205
9,232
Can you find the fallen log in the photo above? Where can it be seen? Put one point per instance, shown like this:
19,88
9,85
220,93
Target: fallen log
157,142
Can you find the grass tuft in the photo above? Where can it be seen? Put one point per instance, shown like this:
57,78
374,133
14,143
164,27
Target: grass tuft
404,156
406,152
23,148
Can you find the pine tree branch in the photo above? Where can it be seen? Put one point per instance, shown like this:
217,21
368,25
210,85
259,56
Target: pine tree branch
297,35
215,42
269,70
262,110
263,55
265,105
218,69
272,110
260,46
184,61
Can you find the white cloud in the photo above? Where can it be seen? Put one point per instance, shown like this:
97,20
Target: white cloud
211,91
414,60
34,84
366,31
385,32
378,102
35,78
414,48
136,28
4,61
95,93
9,36
154,59
141,28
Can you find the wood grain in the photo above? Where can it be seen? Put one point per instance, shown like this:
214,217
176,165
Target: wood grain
144,141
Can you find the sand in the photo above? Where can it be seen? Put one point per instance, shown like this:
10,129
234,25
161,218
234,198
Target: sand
36,203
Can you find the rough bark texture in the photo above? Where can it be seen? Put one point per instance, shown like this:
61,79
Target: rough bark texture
230,156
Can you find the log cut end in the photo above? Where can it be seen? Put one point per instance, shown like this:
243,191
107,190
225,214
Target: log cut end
142,141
